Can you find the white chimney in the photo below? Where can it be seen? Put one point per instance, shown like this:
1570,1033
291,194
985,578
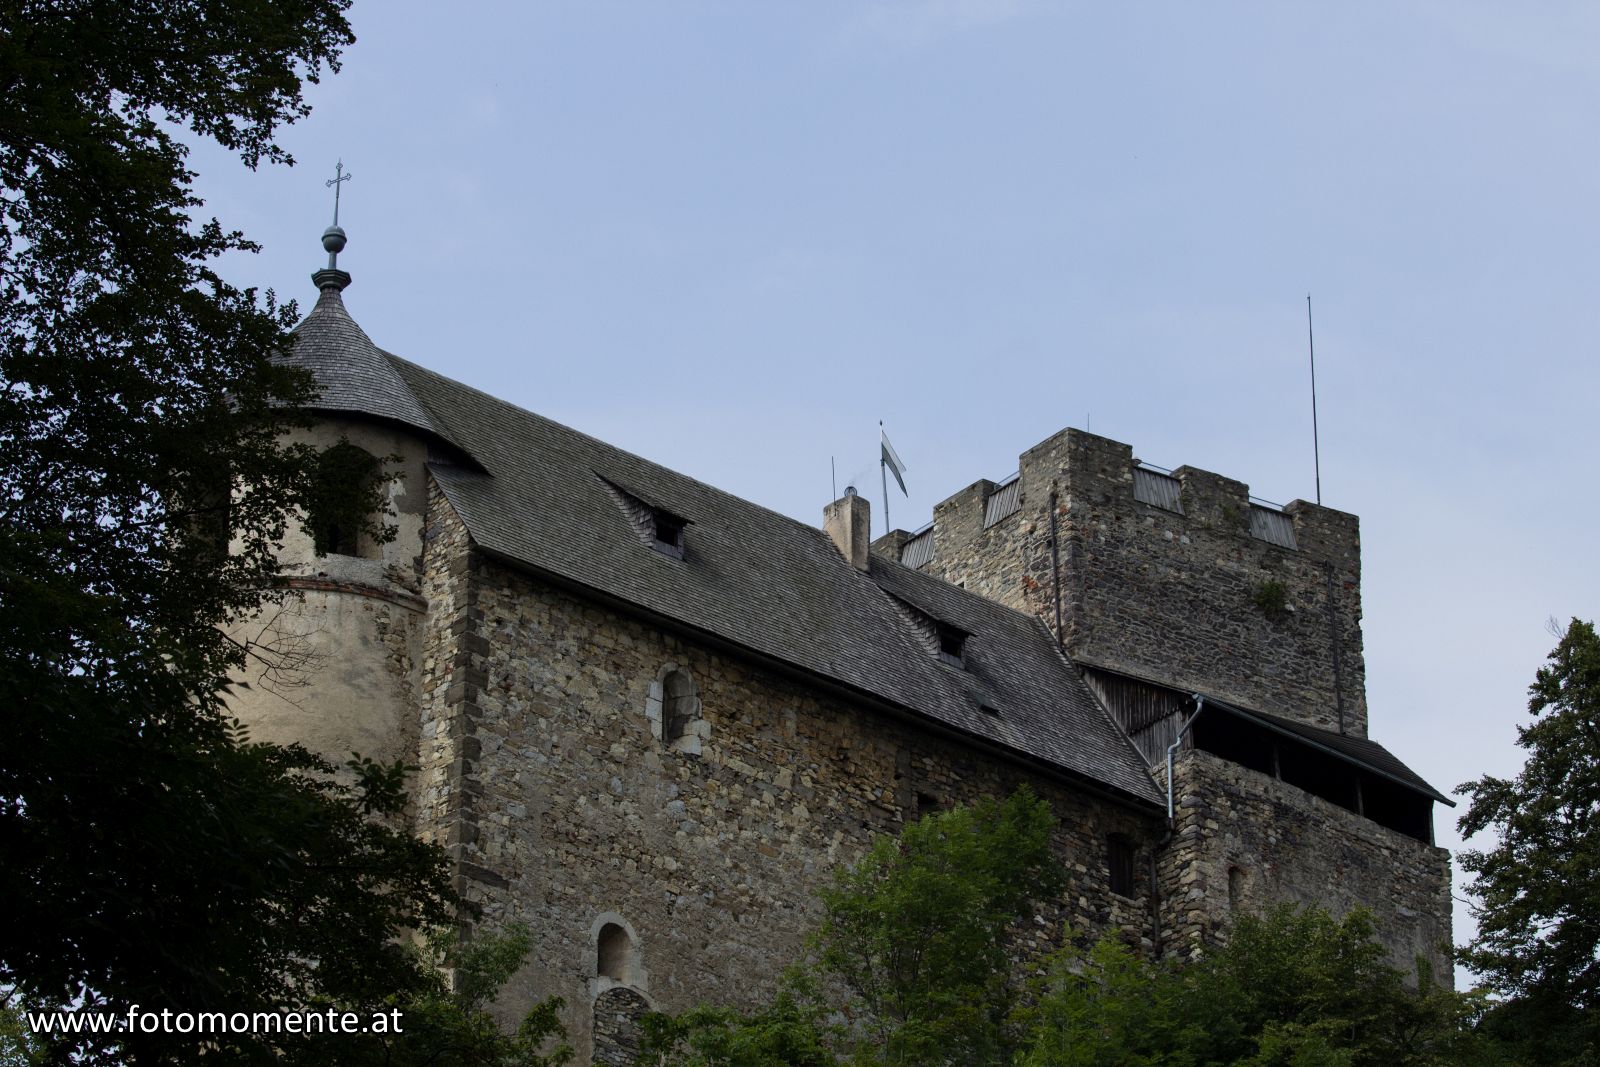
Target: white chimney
848,521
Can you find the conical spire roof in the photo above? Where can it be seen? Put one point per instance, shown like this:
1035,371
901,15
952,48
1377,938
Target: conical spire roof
352,373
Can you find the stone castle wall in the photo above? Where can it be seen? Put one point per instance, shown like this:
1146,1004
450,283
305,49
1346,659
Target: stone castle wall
546,774
1246,842
1181,598
537,717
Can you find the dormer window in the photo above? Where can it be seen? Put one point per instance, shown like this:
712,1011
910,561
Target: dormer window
952,643
668,531
657,527
941,639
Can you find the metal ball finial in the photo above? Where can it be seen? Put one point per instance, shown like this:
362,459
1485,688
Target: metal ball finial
333,240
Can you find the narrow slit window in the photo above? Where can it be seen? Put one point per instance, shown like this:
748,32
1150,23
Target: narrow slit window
679,706
1119,863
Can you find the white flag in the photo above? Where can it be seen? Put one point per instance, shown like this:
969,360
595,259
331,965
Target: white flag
891,459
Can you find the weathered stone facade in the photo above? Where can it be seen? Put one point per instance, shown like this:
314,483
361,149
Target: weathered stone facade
1245,842
1189,597
544,777
1176,589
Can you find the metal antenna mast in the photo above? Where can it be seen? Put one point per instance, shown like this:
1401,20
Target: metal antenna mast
1316,445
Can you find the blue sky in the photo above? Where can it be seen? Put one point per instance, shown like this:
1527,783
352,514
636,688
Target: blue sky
733,236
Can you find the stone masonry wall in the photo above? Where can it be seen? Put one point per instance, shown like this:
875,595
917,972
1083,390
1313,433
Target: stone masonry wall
450,677
567,811
1173,598
1245,842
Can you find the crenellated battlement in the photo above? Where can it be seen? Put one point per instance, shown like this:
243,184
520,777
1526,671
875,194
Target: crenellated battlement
1179,577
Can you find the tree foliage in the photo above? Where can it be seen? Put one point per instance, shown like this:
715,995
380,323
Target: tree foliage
795,1030
910,962
917,929
1538,940
1293,987
448,1020
910,966
150,854
347,488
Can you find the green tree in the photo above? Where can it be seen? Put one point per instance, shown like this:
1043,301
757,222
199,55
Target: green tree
912,951
1538,888
448,1021
17,1045
1295,987
150,855
917,928
913,965
793,1031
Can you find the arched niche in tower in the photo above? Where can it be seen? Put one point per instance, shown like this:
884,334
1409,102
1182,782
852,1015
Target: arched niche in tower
346,514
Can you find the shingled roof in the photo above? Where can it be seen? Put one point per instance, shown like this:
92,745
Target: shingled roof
353,374
545,497
766,583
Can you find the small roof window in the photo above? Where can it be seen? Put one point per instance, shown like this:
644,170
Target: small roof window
941,639
952,645
668,529
657,527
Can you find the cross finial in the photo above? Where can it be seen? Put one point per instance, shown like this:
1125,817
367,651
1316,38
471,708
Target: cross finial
333,238
338,179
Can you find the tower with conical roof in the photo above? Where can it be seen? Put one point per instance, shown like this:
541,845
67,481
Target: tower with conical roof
334,666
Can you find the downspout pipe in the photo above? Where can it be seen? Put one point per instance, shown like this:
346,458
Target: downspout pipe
1199,706
1166,839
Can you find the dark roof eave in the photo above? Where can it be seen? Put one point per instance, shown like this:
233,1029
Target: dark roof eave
1104,790
459,456
1268,722
1345,757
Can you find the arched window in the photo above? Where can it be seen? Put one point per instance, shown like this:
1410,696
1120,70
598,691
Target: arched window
614,954
1236,886
344,512
680,707
620,990
674,710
